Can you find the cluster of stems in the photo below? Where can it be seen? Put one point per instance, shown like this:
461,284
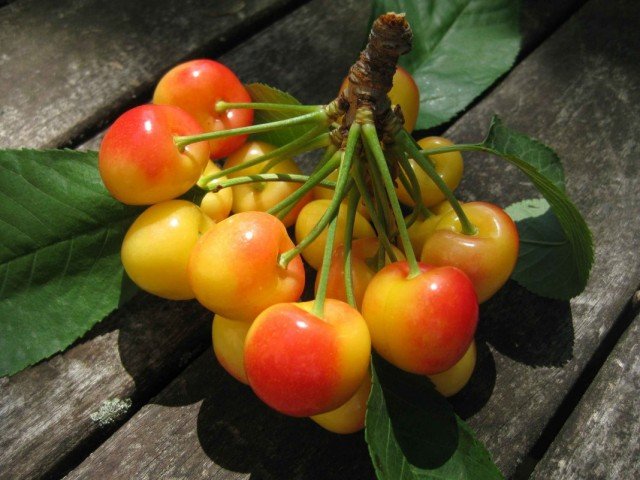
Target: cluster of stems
364,140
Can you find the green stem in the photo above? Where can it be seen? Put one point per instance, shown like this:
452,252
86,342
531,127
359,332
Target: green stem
462,147
352,208
379,191
317,116
292,148
221,106
409,144
341,185
265,177
416,190
329,152
315,178
377,222
371,138
321,293
417,209
311,134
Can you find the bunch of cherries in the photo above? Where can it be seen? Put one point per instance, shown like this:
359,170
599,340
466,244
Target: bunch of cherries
309,358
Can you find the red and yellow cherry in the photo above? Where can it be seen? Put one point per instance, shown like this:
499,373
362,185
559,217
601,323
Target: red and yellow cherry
234,270
216,205
302,365
363,256
488,257
262,197
348,417
197,86
451,381
140,164
228,345
405,93
422,228
448,165
156,249
422,324
311,214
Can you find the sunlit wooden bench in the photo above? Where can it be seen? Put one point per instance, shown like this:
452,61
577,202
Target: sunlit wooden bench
555,394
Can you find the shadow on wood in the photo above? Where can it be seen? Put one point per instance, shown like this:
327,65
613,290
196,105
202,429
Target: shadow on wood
527,328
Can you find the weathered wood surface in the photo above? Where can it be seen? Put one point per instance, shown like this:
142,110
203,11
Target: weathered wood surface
69,66
601,438
144,345
35,442
577,92
54,413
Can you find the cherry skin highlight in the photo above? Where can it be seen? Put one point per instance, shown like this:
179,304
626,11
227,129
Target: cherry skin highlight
488,257
303,365
156,248
423,324
140,164
196,86
233,269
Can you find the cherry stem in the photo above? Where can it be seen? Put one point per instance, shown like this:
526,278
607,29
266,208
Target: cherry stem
297,146
377,222
415,189
412,148
462,147
370,137
313,117
380,195
313,133
321,294
329,152
221,106
342,185
317,178
264,177
352,208
416,209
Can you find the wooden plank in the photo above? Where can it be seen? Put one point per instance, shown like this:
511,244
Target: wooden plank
33,442
55,411
70,66
600,439
576,93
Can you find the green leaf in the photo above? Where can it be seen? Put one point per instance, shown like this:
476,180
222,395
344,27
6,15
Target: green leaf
545,263
535,160
460,48
60,269
413,433
264,93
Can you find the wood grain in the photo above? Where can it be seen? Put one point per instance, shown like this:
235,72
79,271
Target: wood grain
46,411
577,93
140,348
69,66
600,439
51,413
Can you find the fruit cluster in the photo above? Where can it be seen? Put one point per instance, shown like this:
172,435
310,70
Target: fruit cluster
308,358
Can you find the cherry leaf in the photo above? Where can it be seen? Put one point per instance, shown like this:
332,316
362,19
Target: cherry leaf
60,269
413,433
460,48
